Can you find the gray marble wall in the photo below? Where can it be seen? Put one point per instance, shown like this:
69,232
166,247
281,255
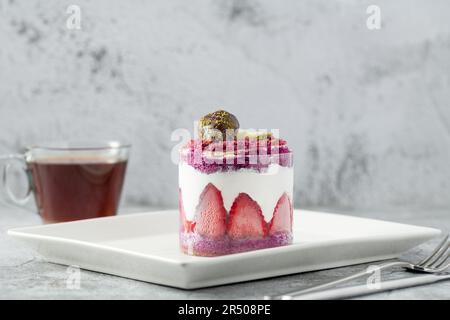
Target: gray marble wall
366,111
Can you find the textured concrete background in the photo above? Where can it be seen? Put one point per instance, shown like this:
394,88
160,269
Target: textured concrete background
366,112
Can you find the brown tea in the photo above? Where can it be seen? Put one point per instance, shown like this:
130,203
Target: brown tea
74,189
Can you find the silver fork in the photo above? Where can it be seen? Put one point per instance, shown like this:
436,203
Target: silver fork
433,263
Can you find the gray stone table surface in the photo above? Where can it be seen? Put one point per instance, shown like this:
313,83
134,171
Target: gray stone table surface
23,275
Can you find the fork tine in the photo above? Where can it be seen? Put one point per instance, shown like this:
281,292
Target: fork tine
442,261
440,269
438,256
436,250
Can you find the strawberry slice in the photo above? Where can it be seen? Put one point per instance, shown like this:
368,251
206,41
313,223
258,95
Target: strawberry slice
282,216
246,218
211,216
185,225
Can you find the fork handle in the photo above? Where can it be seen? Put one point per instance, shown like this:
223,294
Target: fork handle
361,290
293,294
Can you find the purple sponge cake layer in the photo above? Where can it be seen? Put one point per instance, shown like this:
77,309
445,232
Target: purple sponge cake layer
209,157
195,244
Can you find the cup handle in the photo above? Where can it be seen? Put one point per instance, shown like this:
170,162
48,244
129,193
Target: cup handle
19,201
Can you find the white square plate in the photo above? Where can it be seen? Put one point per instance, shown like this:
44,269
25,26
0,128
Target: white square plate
145,247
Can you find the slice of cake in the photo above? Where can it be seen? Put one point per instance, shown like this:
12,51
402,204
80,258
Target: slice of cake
235,189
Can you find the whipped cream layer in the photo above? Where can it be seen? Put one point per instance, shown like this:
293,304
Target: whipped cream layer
265,187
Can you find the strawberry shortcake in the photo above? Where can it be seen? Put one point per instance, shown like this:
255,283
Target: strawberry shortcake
235,189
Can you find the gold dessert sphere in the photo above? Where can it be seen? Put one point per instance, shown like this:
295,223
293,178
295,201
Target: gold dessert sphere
217,125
